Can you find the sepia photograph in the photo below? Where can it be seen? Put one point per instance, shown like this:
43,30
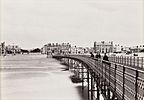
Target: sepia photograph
71,49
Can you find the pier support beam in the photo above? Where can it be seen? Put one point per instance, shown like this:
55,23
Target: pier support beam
88,83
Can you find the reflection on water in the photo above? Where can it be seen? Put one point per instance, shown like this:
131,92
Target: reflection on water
35,77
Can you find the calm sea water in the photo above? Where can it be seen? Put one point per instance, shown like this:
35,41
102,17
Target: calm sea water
35,77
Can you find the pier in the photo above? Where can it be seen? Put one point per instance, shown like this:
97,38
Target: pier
114,80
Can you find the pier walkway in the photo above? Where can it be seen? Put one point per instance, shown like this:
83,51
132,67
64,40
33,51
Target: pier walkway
115,81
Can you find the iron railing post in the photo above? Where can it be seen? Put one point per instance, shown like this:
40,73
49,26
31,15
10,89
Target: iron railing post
82,78
88,82
98,91
130,61
115,72
105,81
142,62
134,61
92,78
136,85
125,60
123,95
122,60
137,61
109,82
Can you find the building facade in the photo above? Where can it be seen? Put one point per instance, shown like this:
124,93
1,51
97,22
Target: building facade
55,48
103,47
2,48
117,48
14,49
135,49
9,49
77,50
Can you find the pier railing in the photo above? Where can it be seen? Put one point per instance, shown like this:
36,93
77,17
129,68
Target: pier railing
131,61
126,82
128,61
115,81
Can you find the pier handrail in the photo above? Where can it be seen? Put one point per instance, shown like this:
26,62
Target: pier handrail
125,81
131,61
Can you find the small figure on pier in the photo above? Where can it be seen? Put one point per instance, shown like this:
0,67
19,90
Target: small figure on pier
92,55
105,57
98,56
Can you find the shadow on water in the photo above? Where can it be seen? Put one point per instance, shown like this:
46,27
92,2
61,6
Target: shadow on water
83,93
64,69
75,80
62,63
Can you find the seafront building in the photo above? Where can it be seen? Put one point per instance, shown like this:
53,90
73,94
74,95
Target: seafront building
64,48
56,48
13,49
2,49
109,47
117,48
103,47
139,48
126,49
9,49
78,50
121,49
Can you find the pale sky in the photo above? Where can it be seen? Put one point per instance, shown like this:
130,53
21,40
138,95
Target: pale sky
33,23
